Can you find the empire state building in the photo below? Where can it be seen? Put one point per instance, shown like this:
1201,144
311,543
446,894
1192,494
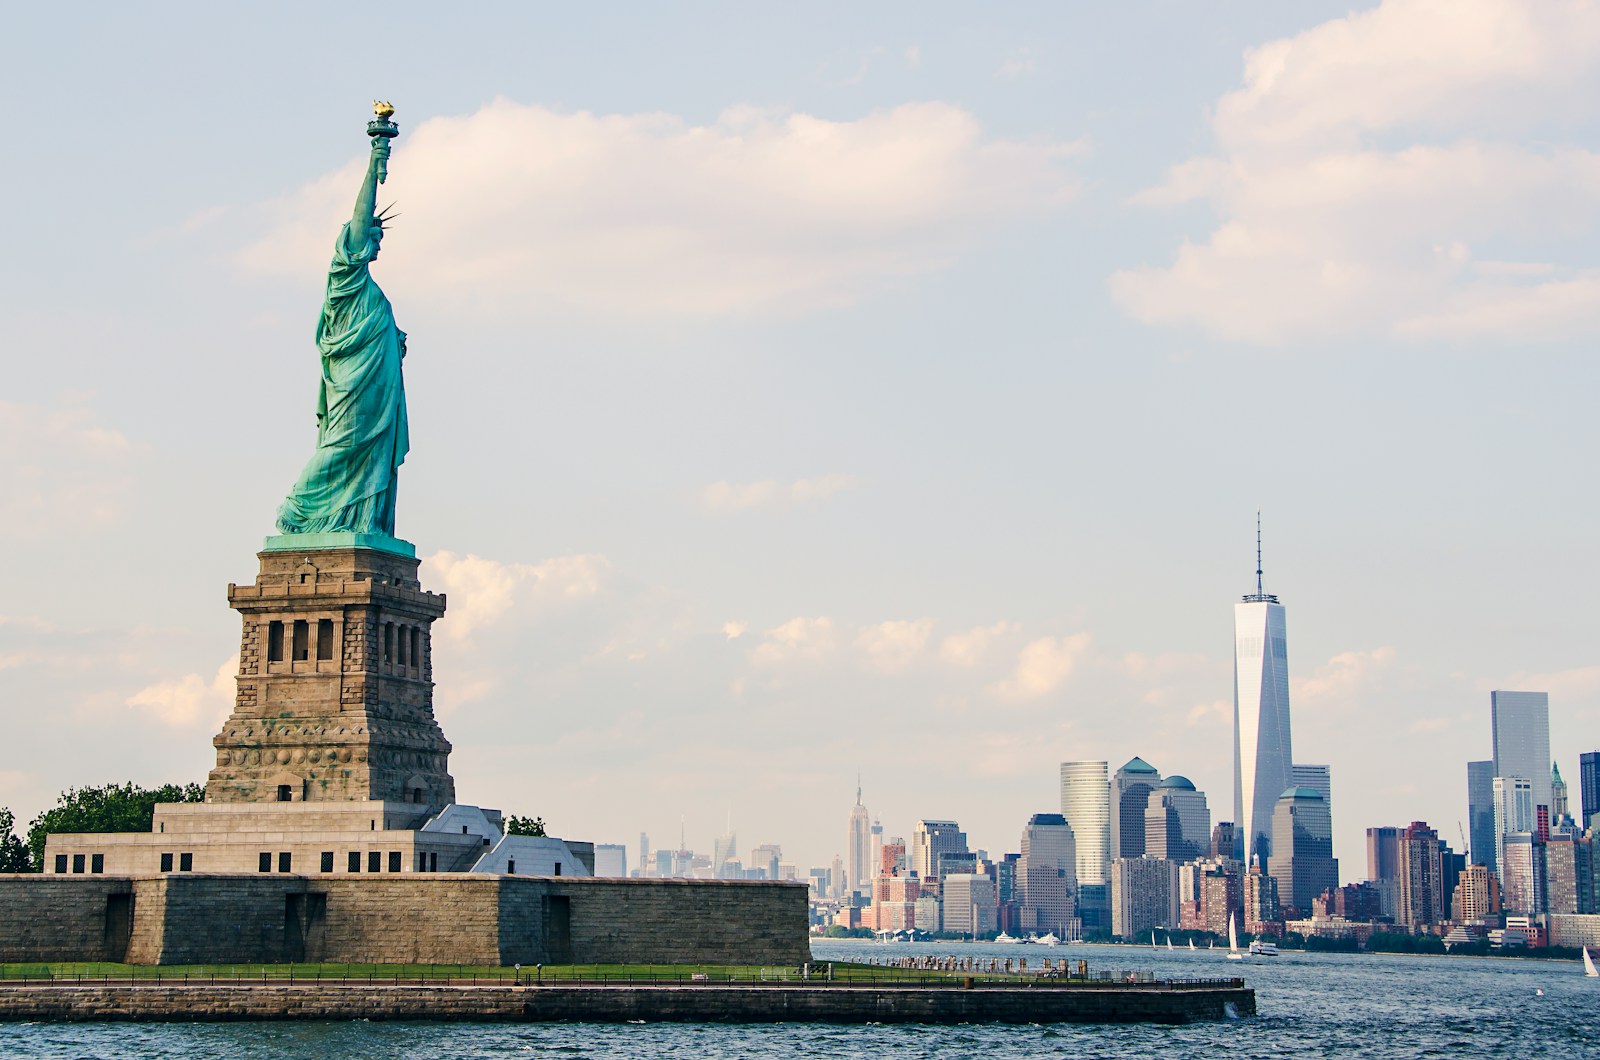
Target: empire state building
1262,753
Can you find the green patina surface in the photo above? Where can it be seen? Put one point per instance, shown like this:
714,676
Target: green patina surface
339,539
349,483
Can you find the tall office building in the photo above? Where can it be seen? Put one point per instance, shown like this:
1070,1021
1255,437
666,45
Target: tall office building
1177,822
1558,794
1522,874
767,857
1145,894
1421,899
1318,778
1521,731
644,853
610,859
1085,805
1130,797
1383,867
1569,873
858,847
875,858
932,839
1302,858
1047,875
1477,894
967,905
1589,787
1262,750
1480,814
1222,844
1513,813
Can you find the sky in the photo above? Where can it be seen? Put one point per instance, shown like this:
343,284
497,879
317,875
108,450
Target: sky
804,394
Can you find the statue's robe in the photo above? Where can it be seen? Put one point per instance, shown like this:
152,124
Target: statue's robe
362,434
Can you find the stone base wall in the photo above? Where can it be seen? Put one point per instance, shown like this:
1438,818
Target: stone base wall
616,1004
413,918
64,918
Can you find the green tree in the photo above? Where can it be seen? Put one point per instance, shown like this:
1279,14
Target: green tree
13,851
524,825
113,808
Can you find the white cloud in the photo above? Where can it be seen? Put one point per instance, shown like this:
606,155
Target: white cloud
1342,675
1378,173
1218,712
969,649
60,469
518,207
1019,64
769,493
797,640
192,698
1043,665
893,646
480,591
734,630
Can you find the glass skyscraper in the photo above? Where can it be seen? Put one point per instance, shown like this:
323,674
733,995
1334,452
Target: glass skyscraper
1521,724
1480,814
1262,754
1086,805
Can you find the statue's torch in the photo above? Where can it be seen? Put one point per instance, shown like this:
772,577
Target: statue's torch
382,126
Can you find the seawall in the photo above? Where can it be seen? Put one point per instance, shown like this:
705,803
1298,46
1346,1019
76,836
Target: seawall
833,1003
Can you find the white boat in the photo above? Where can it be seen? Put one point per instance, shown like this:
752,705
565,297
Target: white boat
1191,945
1048,940
1233,941
1588,964
1169,943
1153,940
1258,948
1006,938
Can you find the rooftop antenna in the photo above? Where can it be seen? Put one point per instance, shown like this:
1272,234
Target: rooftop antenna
1259,591
858,789
1260,595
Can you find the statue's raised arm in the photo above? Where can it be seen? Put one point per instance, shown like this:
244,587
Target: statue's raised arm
363,436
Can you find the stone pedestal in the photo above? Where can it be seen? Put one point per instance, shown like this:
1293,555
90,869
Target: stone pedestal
335,684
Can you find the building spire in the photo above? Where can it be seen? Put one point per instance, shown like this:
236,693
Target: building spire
858,789
1258,552
1260,595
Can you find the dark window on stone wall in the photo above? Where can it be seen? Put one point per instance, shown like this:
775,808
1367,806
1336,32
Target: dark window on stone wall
388,643
285,793
558,868
185,862
355,861
274,642
511,866
97,863
416,647
77,863
405,641
61,863
327,861
166,863
264,864
324,638
375,861
394,861
283,861
302,640
433,862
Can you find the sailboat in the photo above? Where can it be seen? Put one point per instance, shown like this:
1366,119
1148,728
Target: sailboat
1588,964
1169,943
1153,939
1191,945
1233,941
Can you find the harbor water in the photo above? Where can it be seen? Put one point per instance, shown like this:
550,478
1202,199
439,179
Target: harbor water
1326,1005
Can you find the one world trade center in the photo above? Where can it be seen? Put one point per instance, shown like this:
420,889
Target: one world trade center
1261,747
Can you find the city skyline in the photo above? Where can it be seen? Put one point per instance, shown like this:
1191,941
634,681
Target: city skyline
886,391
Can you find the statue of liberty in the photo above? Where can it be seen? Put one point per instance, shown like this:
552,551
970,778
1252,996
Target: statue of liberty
362,437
